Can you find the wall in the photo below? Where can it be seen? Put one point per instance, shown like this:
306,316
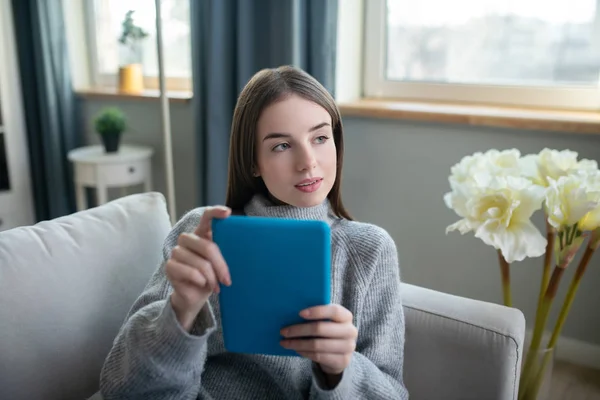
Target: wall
144,119
396,175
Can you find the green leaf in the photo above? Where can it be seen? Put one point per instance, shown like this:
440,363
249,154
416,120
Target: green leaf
131,31
110,121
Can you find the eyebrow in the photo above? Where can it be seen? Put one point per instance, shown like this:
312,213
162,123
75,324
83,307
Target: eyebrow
276,135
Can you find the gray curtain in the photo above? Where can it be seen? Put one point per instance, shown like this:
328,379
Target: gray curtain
232,40
49,103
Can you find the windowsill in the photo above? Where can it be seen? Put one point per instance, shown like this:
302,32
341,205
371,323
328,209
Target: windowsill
174,96
476,115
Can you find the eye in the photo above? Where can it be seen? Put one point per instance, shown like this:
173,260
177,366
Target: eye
322,139
281,147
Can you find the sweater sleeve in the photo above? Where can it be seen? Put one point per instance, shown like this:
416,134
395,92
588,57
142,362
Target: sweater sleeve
376,369
152,356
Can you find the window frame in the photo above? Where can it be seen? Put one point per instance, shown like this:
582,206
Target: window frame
375,84
104,80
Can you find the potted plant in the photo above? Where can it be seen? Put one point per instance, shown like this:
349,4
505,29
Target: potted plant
110,124
131,78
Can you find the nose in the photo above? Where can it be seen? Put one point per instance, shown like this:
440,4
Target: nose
305,158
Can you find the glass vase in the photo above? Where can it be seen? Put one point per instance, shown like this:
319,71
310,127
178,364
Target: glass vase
537,384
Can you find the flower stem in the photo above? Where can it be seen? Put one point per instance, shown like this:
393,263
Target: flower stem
547,261
505,271
540,323
587,255
538,330
573,234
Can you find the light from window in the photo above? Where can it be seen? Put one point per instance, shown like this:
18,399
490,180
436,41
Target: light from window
108,16
494,42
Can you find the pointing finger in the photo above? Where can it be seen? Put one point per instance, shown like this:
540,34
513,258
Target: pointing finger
204,228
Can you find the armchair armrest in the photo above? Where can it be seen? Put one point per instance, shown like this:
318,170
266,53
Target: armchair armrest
460,348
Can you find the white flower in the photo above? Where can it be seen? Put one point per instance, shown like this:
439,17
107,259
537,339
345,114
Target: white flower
552,164
569,199
591,181
530,170
498,209
495,162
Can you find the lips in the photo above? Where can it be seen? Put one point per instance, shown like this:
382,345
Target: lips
309,185
308,182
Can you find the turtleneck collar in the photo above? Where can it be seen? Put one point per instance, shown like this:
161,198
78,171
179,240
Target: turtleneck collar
260,206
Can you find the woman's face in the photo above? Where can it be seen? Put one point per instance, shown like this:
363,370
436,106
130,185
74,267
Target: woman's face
296,152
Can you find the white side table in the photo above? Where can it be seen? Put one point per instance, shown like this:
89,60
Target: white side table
96,168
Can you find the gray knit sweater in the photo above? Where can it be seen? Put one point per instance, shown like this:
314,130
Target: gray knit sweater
154,358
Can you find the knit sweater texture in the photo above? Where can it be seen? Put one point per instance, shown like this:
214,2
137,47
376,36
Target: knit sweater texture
153,357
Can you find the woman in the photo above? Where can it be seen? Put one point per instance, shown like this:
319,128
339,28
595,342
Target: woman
285,161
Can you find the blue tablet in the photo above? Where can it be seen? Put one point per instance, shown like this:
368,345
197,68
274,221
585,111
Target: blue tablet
278,268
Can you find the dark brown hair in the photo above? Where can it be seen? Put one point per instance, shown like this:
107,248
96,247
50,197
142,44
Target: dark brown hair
265,88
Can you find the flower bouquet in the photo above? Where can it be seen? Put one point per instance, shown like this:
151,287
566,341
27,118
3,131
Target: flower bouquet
496,193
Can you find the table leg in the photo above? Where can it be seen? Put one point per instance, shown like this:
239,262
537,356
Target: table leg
102,194
80,197
148,182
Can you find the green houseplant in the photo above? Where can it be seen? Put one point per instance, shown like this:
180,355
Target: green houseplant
110,123
132,37
130,72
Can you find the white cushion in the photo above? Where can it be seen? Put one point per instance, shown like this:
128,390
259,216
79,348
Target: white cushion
65,288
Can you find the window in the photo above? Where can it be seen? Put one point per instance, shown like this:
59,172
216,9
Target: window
105,19
521,52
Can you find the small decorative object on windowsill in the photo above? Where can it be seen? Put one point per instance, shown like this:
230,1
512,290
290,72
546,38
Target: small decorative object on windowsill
496,193
131,76
110,124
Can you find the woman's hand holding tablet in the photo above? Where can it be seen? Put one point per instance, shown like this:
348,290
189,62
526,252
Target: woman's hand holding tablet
330,340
